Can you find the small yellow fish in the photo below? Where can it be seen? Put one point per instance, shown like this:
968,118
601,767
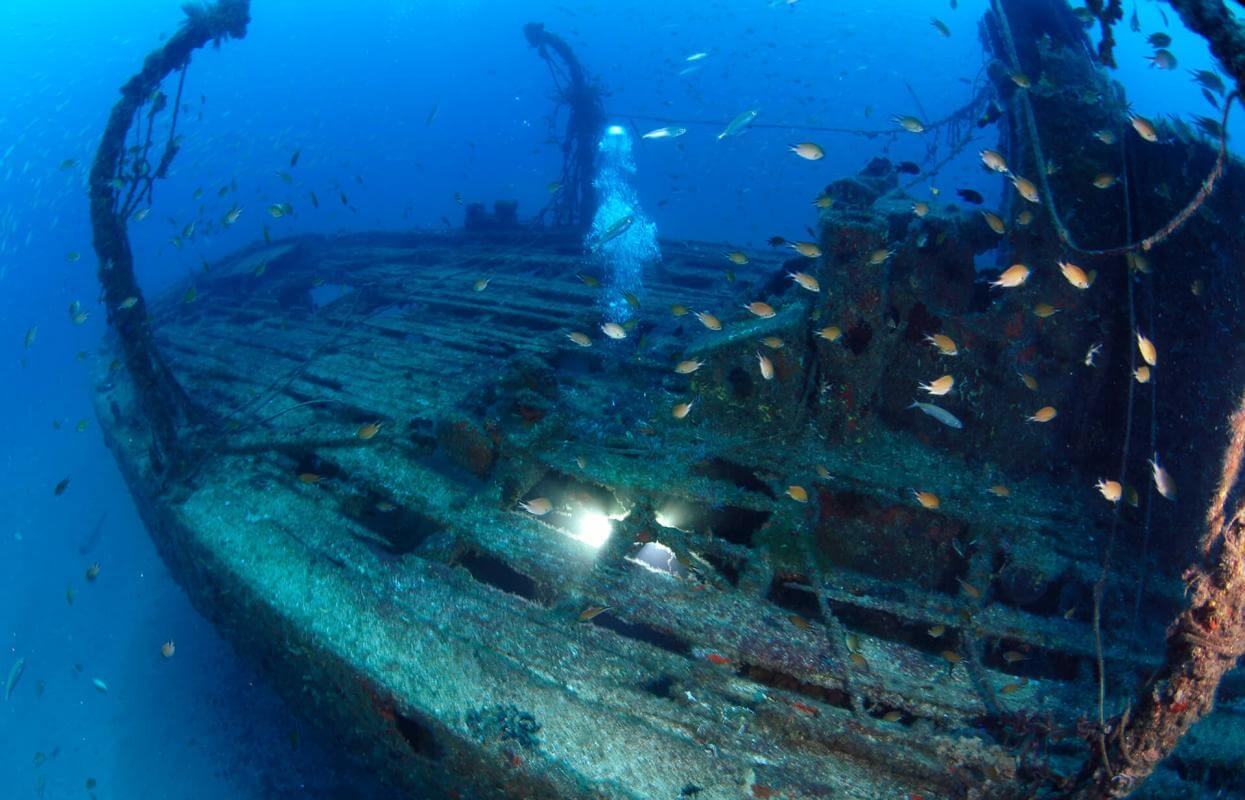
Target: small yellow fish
892,716
823,201
481,284
580,339
762,310
1149,353
927,499
936,630
969,589
799,622
1028,380
1021,80
773,342
688,367
952,657
1044,310
766,366
1024,218
1138,263
909,123
805,281
939,386
168,649
831,333
994,160
537,506
1105,136
1013,656
736,257
73,256
1144,127
995,222
309,478
999,490
590,281
823,471
1074,275
1043,414
680,410
368,431
920,208
940,26
1104,180
128,303
678,310
591,612
880,256
1142,374
1026,188
80,317
806,249
945,344
1013,276
1012,688
709,321
1111,490
807,151
797,493
614,330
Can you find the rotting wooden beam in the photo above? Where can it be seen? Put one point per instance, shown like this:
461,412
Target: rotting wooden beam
1204,643
160,397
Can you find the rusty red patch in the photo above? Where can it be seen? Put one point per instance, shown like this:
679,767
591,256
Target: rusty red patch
715,658
805,708
1015,326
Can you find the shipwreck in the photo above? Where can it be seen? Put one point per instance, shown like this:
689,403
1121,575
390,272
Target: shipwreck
498,562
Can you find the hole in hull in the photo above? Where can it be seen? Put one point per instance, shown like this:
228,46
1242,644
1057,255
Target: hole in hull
500,575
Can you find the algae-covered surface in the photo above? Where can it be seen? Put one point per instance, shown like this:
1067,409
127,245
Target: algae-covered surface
358,523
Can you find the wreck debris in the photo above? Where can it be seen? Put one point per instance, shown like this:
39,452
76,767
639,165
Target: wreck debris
113,175
574,203
1204,643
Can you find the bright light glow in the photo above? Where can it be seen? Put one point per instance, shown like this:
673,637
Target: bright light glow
664,519
614,130
593,528
656,557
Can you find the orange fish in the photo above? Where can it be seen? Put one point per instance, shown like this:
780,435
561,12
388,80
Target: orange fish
591,612
367,431
1044,414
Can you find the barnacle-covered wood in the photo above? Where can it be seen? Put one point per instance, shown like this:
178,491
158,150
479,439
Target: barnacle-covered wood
161,399
1204,643
397,592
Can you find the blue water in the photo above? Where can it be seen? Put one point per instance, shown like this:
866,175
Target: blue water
400,108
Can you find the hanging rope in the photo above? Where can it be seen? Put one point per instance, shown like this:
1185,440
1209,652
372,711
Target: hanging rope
1208,185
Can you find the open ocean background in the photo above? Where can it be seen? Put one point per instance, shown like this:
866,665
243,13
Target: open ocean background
398,107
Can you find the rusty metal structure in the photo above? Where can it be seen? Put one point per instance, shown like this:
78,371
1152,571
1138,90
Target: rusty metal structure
502,561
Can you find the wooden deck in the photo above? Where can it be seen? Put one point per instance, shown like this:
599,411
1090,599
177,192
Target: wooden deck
397,591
